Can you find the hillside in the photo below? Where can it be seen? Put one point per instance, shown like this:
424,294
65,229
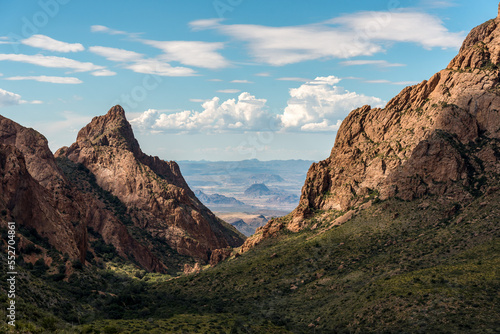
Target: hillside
397,231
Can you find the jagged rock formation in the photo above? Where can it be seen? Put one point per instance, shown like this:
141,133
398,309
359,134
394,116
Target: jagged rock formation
24,201
36,194
156,195
440,137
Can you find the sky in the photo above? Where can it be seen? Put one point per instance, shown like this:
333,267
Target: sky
221,79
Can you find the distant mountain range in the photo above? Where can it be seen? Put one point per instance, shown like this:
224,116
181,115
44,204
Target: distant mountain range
216,199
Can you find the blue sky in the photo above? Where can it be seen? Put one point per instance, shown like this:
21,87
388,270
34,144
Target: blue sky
221,79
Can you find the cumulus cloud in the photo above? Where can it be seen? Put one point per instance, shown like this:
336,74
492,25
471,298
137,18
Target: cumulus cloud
315,106
358,34
52,61
245,113
10,99
320,105
51,79
47,43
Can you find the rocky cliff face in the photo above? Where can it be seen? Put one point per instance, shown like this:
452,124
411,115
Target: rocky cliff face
36,194
156,195
24,201
440,137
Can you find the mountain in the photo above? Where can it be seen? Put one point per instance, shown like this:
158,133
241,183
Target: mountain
440,137
257,190
217,199
38,196
246,223
155,195
396,232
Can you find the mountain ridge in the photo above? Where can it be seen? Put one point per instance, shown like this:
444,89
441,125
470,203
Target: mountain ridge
439,137
156,195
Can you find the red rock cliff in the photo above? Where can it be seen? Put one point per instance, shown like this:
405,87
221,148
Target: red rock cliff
154,191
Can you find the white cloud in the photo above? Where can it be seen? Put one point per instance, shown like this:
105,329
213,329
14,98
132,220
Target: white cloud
51,61
136,62
379,63
358,34
47,43
242,81
157,67
321,127
229,91
316,106
246,113
319,105
414,27
51,79
11,99
204,24
106,30
198,100
263,74
293,79
103,73
114,54
215,80
191,53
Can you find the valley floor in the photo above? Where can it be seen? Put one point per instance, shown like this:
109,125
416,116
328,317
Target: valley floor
426,266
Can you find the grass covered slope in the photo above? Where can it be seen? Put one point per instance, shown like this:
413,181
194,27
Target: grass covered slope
426,266
417,267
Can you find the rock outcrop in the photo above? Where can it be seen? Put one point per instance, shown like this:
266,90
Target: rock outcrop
36,194
156,195
440,137
27,203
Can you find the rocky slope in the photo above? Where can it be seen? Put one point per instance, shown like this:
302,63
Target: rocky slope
440,137
37,195
154,192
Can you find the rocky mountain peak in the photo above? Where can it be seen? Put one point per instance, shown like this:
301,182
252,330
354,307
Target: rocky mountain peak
116,111
154,192
112,130
481,48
